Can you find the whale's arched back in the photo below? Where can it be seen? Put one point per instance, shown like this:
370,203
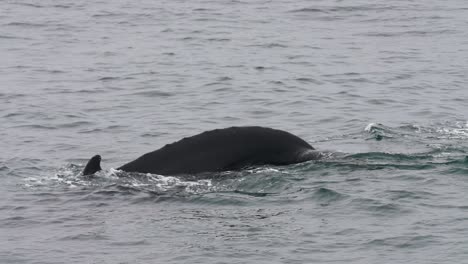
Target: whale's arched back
225,149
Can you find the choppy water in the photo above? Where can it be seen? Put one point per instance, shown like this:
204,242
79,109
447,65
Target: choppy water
382,85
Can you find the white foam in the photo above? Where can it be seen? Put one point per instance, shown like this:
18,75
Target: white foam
369,127
64,176
454,132
262,170
165,183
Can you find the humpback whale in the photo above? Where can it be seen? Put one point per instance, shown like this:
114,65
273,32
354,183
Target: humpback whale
227,149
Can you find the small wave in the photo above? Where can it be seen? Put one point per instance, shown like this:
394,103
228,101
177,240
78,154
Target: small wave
85,91
262,194
219,39
411,195
224,79
108,14
75,124
450,130
109,78
50,71
11,96
202,9
63,6
371,127
417,33
44,127
29,5
378,131
390,156
25,24
270,45
18,222
379,208
326,196
85,237
153,94
308,80
333,9
366,165
130,243
14,37
404,242
458,167
309,10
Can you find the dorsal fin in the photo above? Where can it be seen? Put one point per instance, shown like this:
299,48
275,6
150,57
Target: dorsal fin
94,165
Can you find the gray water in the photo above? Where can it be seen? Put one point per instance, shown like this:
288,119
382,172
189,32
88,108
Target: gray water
381,85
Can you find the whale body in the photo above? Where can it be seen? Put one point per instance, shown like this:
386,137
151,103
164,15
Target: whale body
227,149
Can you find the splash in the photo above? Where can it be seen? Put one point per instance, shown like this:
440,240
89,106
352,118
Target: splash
457,131
70,177
378,131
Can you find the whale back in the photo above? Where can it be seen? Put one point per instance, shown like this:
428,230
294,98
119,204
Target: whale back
224,149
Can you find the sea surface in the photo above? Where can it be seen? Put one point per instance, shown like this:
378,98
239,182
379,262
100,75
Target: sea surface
380,86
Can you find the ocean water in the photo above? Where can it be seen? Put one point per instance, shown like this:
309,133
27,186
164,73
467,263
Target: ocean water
381,86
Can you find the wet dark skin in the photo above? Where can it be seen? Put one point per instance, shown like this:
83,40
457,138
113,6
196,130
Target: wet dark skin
232,148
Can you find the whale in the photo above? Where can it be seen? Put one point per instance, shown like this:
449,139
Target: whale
227,149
